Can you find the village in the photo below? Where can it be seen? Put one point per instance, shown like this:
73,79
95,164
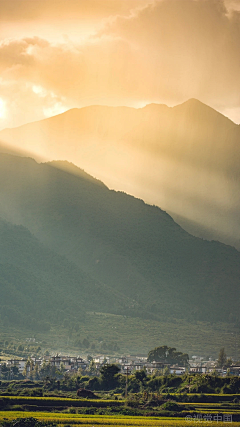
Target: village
61,364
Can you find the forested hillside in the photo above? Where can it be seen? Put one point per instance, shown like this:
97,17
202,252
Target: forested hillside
39,287
142,263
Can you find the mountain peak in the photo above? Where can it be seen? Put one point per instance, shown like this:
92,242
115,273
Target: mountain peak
196,108
194,103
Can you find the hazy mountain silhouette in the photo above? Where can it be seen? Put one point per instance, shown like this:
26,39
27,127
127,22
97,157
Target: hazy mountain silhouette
140,260
184,159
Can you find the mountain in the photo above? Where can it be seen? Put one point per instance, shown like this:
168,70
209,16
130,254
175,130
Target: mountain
89,237
40,288
183,159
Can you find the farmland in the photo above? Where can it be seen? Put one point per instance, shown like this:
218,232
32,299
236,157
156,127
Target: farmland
223,410
83,420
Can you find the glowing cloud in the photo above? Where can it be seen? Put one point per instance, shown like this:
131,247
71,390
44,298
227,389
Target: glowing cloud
39,91
117,53
2,109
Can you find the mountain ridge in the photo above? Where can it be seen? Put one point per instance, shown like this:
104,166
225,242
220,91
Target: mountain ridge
184,159
188,102
121,242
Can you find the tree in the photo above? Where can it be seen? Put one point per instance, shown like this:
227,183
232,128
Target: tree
166,371
158,354
36,372
108,374
15,371
141,375
169,355
27,372
92,367
4,371
228,363
222,358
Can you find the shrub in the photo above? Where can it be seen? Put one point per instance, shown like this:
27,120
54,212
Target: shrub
171,406
226,389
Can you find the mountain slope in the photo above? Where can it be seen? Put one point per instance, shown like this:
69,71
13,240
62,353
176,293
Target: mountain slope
136,250
39,287
184,159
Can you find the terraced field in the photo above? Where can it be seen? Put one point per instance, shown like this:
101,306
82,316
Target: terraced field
101,421
65,411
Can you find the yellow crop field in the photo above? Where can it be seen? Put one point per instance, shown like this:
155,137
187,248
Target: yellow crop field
102,421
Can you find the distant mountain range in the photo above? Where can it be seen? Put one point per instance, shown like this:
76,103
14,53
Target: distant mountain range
79,246
183,159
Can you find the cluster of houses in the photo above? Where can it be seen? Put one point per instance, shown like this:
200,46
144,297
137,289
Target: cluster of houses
197,365
61,363
129,365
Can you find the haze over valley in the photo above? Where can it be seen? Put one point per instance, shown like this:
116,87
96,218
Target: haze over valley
85,247
119,174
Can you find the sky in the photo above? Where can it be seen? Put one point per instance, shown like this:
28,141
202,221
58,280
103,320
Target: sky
60,54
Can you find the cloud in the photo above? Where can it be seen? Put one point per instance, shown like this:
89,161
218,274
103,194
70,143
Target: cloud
162,51
23,96
18,53
232,5
2,109
76,73
54,10
57,20
189,48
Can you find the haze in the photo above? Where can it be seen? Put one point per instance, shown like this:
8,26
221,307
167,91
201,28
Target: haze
139,96
60,54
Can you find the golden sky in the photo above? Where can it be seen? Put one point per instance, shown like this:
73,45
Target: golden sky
60,54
